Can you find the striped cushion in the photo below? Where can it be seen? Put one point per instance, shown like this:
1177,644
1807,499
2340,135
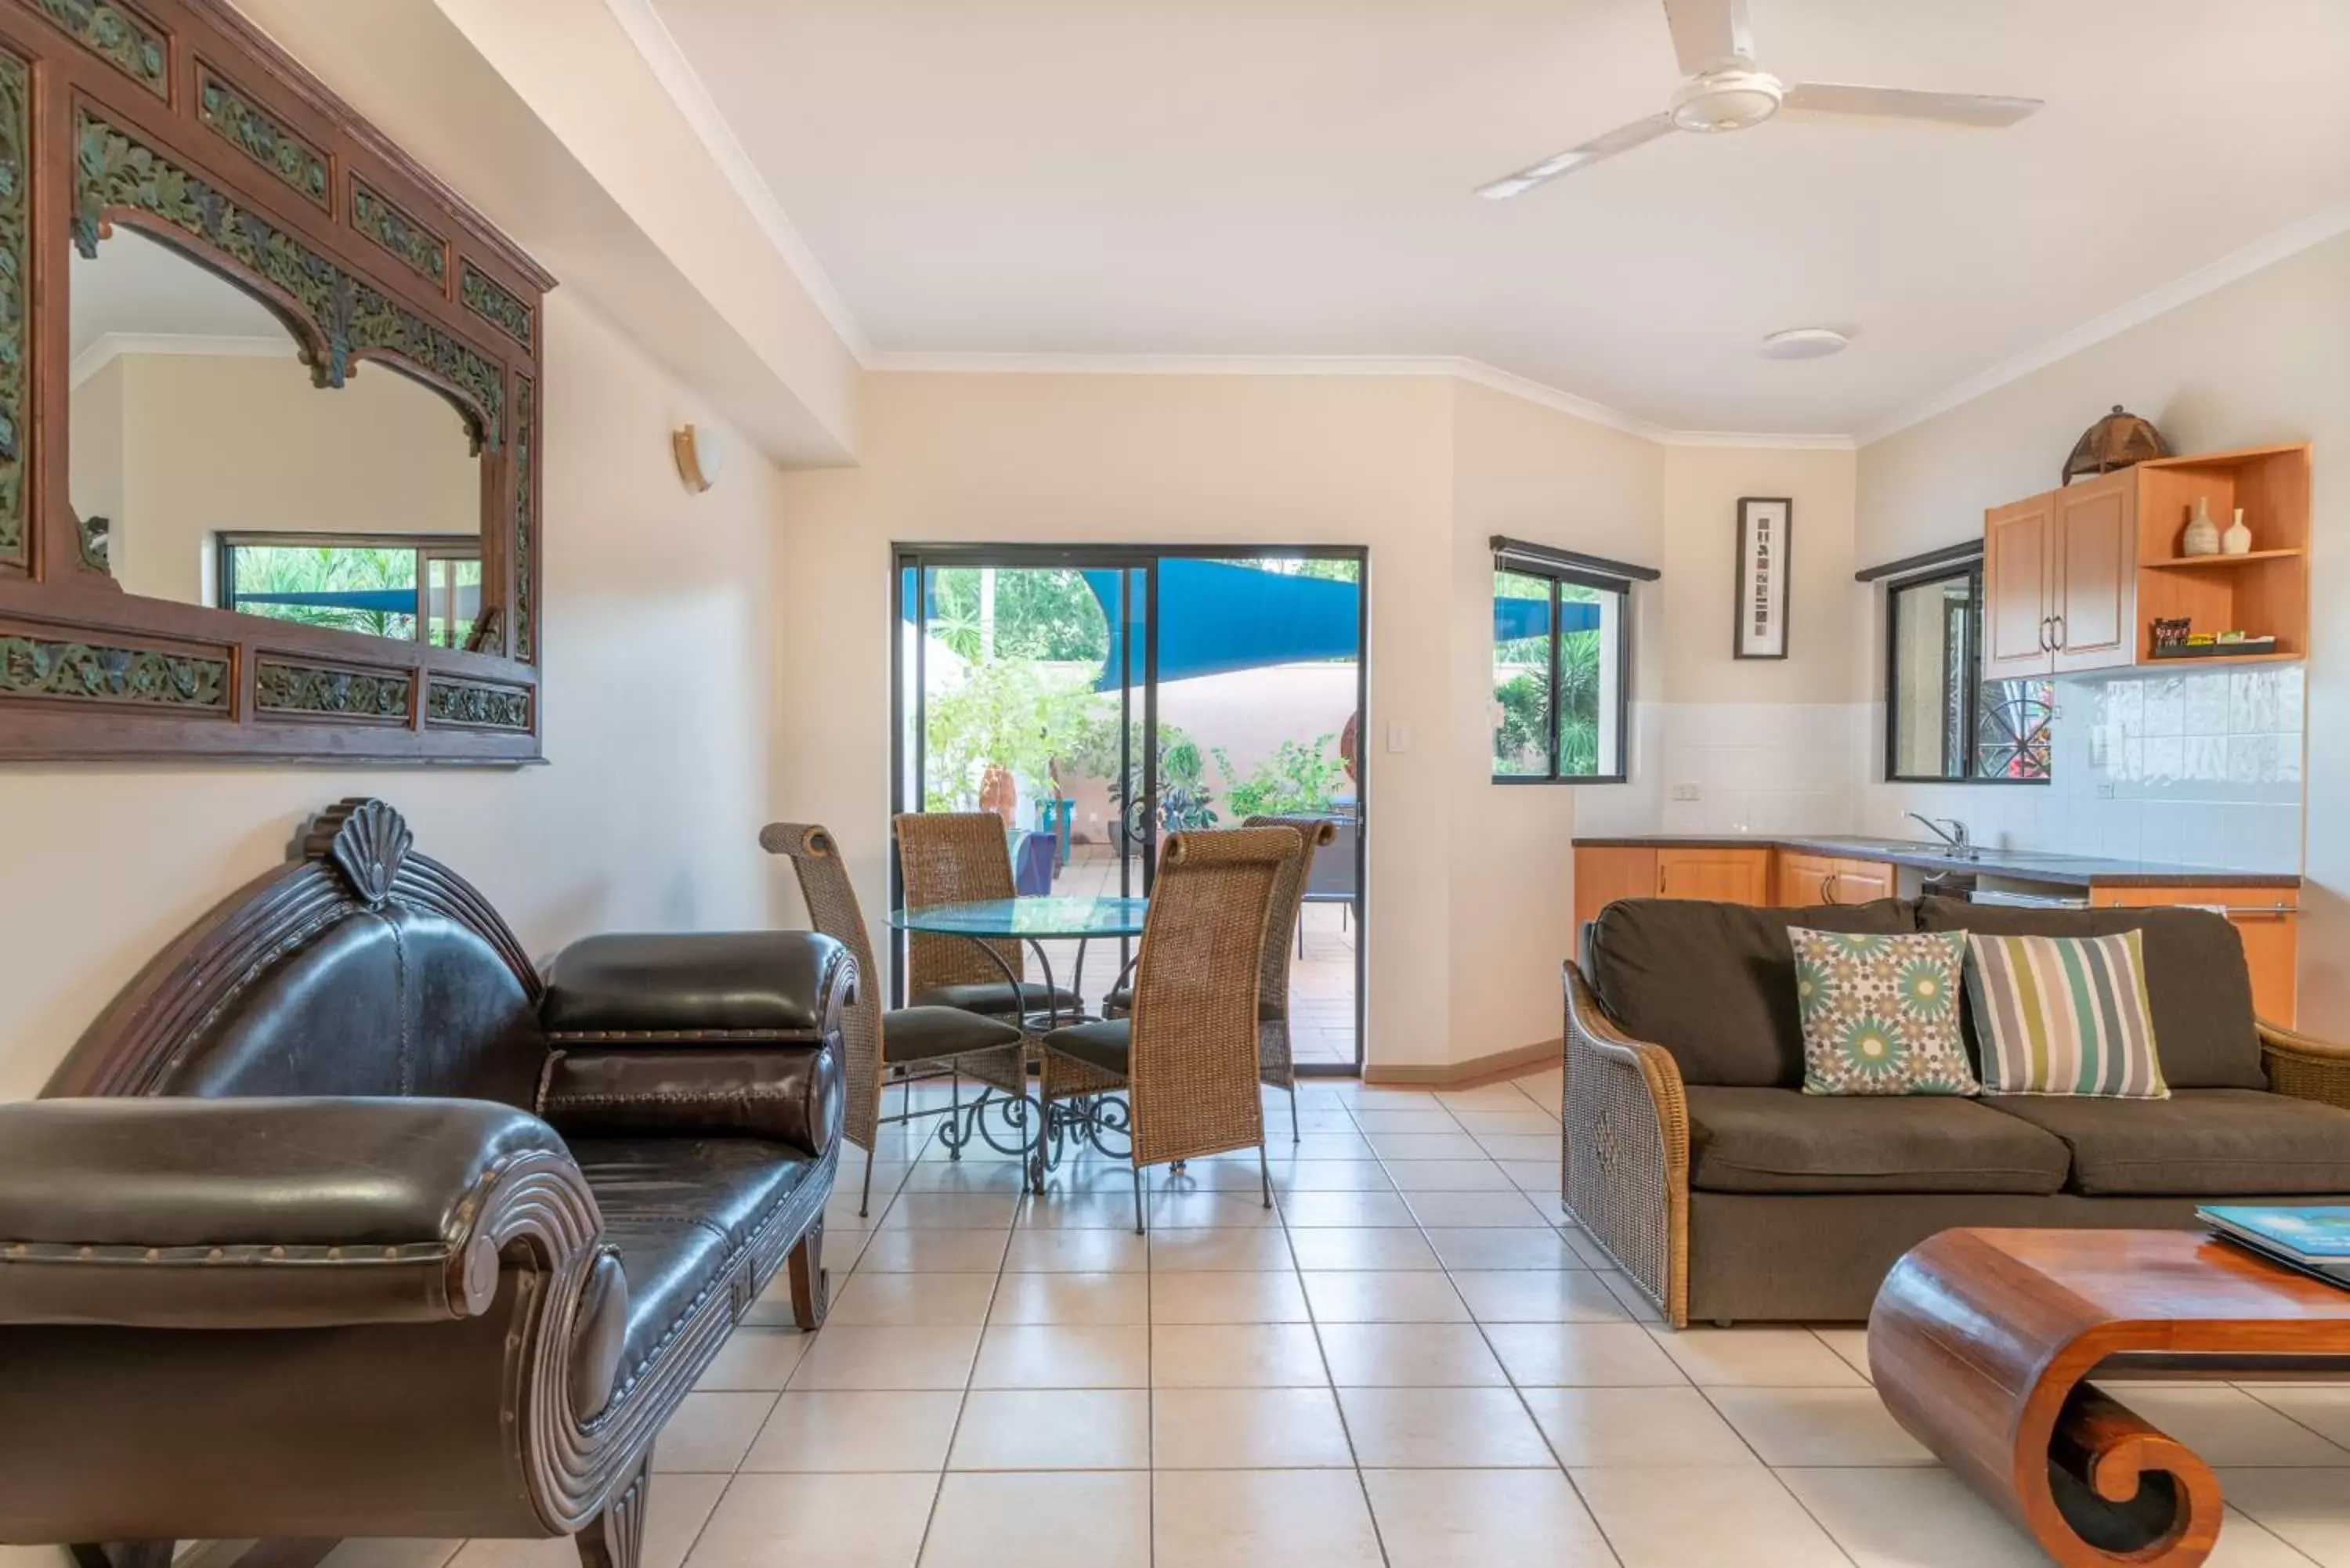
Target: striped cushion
2064,1016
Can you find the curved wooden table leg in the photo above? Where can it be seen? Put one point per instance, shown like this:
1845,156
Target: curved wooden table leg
1979,1341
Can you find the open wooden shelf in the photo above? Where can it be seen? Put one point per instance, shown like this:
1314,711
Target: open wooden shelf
2196,563
2280,656
2263,592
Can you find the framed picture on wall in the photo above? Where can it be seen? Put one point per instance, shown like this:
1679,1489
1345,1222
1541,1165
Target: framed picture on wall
1766,526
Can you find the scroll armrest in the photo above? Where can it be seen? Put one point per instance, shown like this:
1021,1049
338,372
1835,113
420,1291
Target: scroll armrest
1627,1157
699,989
2305,1067
274,1213
785,1093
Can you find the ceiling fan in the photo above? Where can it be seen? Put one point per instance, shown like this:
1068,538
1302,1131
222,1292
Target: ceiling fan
1727,91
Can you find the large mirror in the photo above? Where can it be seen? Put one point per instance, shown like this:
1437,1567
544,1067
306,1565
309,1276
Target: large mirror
207,467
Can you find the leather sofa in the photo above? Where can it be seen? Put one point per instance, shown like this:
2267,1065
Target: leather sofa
343,1222
1695,1161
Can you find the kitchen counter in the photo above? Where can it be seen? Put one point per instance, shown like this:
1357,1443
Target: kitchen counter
2014,864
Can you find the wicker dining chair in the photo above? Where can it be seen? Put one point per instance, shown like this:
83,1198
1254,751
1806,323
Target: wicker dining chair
955,857
1187,1055
1276,1066
968,1044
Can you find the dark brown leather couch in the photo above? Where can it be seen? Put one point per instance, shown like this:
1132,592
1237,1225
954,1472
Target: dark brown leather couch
1694,1160
342,1222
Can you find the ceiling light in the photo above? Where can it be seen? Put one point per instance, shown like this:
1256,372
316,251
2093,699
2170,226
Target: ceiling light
1729,100
1804,343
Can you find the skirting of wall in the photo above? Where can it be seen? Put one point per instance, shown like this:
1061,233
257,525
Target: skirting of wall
1471,1074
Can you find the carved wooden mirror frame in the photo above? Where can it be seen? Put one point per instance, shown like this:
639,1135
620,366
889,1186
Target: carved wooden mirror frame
177,117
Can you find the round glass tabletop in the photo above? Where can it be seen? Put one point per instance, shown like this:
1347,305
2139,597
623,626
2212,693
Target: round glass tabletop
1040,916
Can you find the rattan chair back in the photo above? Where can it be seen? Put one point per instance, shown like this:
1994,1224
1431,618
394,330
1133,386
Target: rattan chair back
833,909
1288,899
1192,1073
953,858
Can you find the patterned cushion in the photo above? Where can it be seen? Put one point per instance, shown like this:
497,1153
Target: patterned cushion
2064,1016
1881,1014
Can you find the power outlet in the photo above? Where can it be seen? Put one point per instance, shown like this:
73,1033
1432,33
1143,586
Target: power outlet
2106,789
1689,792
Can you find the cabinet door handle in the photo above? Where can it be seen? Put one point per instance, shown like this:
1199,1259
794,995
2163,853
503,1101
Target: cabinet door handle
1827,887
2045,646
1664,874
2056,627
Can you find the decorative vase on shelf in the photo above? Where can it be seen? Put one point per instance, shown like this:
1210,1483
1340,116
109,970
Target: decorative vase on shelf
2237,539
2202,534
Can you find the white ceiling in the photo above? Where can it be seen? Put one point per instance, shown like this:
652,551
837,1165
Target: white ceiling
137,287
1293,177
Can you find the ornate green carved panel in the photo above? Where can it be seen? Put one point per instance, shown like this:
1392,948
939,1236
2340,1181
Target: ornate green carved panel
415,246
481,706
44,667
114,35
15,261
525,616
494,304
113,170
282,688
261,137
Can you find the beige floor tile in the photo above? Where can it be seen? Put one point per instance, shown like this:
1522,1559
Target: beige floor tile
1251,1296
1246,1428
1538,1180
1780,1357
1516,1248
1458,1210
1382,1296
676,1509
1062,1355
1076,1251
1192,1211
1330,1142
1533,1295
1593,1255
963,1176
839,1520
1318,1210
1520,1146
1405,1147
1851,1343
1581,1356
2227,1425
1095,1298
1332,1176
874,1300
1532,1123
1253,1519
1695,1517
854,1357
1410,1355
1608,1426
1053,1429
1236,1356
2307,1508
858,1431
989,1520
935,1251
1474,1173
1058,1210
1429,1118
947,1211
1354,1247
710,1433
1818,1426
1920,1518
557,1553
1219,1249
755,1358
1630,1297
389,1551
1441,1428
1483,1519
1224,1174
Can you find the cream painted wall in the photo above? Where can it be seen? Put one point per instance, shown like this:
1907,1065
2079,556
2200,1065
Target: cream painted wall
658,660
2266,358
207,443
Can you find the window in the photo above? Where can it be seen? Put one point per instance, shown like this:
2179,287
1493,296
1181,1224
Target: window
1943,721
1562,651
423,587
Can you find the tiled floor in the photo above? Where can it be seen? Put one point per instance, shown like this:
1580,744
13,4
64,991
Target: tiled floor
1407,1363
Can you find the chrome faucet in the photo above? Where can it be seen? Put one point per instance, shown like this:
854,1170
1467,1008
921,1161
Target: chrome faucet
1953,834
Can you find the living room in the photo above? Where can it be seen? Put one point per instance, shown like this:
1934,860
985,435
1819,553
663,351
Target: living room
1736,438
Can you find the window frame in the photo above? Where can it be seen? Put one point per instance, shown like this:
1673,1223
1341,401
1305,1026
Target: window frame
1972,570
426,546
1555,573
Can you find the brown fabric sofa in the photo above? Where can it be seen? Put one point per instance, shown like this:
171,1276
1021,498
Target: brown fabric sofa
342,1221
1694,1160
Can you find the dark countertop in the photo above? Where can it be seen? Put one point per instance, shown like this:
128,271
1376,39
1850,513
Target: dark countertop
2016,865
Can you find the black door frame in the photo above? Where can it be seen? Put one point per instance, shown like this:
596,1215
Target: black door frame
1126,559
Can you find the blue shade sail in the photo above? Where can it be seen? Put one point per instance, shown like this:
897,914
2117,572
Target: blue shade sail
1515,617
394,601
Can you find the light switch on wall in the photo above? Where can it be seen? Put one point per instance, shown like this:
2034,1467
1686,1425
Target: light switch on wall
1399,735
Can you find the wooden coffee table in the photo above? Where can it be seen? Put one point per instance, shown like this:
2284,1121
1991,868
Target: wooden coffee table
1979,1342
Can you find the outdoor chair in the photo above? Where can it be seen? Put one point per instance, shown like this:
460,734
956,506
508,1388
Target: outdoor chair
1187,1056
966,1043
957,857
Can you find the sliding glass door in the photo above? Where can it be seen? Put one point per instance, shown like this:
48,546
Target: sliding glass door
1099,698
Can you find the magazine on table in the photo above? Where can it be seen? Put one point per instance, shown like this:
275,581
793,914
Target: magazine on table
2315,1240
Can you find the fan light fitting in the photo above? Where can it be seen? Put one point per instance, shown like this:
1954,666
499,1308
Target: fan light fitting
1729,100
1804,343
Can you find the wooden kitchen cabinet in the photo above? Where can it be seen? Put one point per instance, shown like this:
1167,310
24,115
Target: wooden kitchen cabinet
1804,878
2269,920
2059,580
2016,565
1607,872
1725,876
1859,881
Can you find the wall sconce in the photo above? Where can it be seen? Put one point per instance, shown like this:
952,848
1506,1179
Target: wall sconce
701,456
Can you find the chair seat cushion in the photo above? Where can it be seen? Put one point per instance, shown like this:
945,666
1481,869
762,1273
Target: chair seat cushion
2198,1142
1781,1140
679,1210
1108,1044
995,997
927,1034
1121,1001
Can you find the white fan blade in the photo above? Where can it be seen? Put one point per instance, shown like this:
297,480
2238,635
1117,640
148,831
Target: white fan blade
1900,103
1623,138
1709,32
